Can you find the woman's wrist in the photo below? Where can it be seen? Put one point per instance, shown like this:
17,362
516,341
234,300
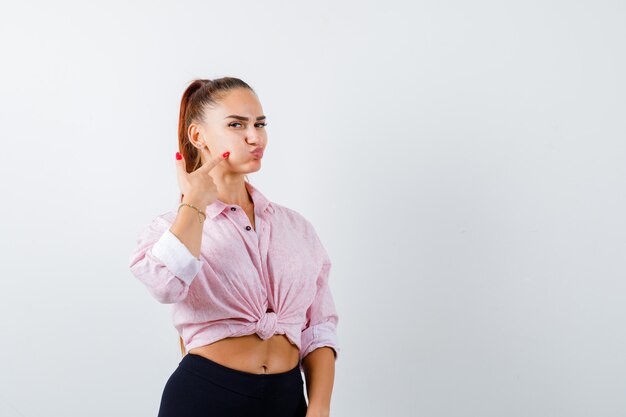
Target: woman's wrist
313,411
200,212
194,201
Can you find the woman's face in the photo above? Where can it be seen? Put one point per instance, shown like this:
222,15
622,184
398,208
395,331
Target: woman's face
236,124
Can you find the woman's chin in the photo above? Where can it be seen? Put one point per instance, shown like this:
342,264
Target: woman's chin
254,166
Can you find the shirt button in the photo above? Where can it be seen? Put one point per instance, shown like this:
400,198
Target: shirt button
233,208
248,228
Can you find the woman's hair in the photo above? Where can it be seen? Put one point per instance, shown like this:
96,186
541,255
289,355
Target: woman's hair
199,95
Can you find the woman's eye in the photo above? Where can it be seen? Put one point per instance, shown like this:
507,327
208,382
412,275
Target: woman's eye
258,124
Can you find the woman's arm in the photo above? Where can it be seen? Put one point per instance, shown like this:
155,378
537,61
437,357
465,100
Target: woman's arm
319,372
187,228
166,256
320,345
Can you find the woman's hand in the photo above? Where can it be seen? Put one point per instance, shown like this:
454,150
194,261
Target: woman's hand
198,186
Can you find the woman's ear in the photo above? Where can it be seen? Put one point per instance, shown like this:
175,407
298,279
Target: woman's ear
196,135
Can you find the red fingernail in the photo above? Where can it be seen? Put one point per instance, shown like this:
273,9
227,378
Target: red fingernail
225,154
178,156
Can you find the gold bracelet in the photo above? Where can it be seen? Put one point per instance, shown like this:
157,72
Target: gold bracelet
196,208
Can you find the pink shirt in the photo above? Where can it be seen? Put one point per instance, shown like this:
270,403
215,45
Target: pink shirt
272,280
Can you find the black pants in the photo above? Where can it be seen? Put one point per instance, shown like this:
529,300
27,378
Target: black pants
200,387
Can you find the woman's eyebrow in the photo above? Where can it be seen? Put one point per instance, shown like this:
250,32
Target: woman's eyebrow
234,116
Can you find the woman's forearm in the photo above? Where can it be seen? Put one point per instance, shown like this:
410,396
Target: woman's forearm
319,372
187,228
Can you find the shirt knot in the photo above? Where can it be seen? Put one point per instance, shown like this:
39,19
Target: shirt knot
266,326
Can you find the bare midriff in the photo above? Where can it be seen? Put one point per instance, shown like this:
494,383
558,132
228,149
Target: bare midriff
252,354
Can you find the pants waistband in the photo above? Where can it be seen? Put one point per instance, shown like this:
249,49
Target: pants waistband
255,385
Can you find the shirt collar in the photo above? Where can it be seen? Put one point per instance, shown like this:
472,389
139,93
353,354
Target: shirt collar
261,203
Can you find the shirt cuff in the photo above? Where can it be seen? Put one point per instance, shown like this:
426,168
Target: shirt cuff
177,257
323,334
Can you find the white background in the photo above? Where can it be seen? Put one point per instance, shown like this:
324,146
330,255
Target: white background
463,163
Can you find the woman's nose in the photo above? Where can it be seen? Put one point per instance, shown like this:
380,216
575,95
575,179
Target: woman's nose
253,137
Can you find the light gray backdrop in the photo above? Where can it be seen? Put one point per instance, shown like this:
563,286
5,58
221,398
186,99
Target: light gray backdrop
463,162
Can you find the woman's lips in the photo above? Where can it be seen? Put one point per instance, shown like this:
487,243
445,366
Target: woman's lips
257,152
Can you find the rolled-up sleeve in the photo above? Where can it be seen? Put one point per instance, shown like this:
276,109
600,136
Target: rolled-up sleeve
321,318
163,263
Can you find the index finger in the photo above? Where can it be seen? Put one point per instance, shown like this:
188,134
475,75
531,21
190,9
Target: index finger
211,161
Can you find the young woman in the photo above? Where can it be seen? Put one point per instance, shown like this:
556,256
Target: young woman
247,278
